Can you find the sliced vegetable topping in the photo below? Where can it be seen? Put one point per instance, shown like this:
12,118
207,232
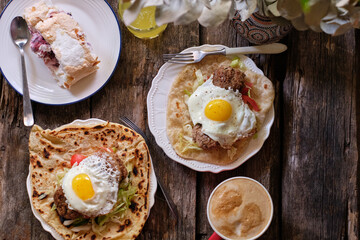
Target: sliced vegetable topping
77,158
187,143
245,91
246,96
187,92
125,194
251,102
249,84
237,63
79,222
53,207
199,77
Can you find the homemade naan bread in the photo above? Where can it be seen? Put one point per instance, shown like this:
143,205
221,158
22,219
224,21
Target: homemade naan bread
178,117
50,154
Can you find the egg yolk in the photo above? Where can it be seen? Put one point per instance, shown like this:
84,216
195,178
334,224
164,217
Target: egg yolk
218,110
82,186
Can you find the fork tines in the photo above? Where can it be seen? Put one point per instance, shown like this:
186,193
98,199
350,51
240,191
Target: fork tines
179,58
126,121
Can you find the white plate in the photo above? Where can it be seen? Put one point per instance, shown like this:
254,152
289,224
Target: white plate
157,104
102,30
50,229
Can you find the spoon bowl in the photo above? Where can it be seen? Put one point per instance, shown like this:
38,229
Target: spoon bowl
20,35
19,31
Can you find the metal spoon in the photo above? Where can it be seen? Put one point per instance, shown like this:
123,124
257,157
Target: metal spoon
20,36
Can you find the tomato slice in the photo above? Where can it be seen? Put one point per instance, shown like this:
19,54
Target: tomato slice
251,102
245,90
249,84
77,158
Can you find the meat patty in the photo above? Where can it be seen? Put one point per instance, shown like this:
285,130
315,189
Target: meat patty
120,167
63,208
60,200
228,77
203,140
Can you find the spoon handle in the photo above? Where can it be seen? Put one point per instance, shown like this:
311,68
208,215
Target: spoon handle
27,109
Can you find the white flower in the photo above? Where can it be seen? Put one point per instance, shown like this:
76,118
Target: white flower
330,16
209,13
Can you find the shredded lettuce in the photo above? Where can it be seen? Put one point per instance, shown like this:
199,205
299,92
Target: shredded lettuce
186,143
248,93
81,228
125,194
255,136
231,152
199,77
129,169
53,208
199,80
97,228
79,222
60,175
187,128
237,63
187,92
242,66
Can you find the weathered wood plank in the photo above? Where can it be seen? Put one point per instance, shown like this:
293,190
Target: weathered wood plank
208,181
125,94
14,204
319,176
353,209
264,166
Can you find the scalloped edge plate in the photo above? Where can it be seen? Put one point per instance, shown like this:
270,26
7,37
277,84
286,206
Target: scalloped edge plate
50,229
157,105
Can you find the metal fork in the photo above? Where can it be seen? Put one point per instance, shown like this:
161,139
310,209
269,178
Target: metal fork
126,121
197,56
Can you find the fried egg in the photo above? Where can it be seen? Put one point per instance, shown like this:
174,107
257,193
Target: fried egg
222,113
91,187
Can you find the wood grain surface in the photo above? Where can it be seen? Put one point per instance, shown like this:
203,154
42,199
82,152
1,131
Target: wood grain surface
309,163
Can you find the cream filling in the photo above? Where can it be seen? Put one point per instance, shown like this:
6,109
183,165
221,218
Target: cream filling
70,50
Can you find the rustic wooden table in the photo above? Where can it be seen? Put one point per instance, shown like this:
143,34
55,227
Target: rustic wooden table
309,163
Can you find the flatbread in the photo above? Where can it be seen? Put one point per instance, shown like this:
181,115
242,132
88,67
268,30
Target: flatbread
178,116
50,153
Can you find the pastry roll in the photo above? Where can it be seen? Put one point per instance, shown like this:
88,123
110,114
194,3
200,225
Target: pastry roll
58,39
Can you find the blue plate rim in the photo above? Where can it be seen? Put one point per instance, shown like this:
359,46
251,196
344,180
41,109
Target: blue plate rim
82,99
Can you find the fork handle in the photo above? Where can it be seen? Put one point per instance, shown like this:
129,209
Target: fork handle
272,48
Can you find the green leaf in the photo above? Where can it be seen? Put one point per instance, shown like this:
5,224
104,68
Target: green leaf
53,208
235,63
125,194
79,222
187,92
305,5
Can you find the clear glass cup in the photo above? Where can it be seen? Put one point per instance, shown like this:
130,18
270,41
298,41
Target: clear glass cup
144,26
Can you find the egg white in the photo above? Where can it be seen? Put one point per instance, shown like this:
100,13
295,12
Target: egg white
104,179
239,125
